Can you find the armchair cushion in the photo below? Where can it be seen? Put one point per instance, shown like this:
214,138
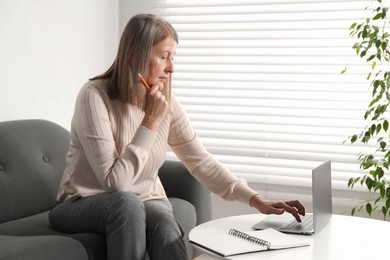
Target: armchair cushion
32,247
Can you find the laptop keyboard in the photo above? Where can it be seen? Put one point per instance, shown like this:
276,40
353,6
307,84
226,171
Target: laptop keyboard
306,224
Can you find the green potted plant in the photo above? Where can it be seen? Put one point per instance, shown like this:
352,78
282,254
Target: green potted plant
372,45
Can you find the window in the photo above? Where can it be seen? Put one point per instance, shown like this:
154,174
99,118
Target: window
261,83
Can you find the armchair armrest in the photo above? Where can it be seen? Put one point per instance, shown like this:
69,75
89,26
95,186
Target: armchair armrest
179,183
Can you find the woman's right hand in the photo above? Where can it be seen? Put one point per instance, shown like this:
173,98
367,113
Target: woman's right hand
293,207
156,107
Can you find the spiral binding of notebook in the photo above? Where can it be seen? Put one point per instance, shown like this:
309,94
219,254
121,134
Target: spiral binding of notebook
256,240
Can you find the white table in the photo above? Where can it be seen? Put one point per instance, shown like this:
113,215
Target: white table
344,237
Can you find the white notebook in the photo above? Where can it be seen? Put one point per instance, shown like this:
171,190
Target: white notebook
235,242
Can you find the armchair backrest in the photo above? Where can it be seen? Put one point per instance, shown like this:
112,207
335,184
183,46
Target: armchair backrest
32,161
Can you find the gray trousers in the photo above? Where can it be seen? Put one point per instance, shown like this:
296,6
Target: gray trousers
131,226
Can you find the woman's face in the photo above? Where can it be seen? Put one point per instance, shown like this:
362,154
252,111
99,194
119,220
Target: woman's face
161,62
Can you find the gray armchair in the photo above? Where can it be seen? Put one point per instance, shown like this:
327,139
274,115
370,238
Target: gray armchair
32,160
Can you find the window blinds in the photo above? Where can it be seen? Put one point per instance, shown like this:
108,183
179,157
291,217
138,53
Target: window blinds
261,83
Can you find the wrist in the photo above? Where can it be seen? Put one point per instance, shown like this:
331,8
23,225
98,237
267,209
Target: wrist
255,200
150,123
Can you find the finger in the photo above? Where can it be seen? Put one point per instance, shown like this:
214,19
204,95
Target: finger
296,204
158,86
157,94
293,212
154,89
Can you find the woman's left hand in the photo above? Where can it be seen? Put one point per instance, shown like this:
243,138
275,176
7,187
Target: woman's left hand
156,106
293,207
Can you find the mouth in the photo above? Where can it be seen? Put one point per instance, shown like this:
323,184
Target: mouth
163,79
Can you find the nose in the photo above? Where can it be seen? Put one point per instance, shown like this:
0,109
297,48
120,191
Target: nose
170,68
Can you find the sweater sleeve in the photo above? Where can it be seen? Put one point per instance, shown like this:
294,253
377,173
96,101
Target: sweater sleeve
202,165
91,122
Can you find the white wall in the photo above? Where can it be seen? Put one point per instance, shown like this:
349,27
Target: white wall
128,8
48,49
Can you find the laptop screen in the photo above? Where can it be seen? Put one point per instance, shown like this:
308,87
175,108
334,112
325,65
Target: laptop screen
322,195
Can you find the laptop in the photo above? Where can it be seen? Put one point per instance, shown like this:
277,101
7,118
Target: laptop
322,207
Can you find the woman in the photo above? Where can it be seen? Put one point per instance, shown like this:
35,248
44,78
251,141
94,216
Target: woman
118,142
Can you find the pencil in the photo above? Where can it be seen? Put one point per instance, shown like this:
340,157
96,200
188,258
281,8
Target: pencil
143,81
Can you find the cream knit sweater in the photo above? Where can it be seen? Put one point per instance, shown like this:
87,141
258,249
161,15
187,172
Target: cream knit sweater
110,151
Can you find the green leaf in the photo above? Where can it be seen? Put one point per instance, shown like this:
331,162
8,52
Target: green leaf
380,173
385,125
362,180
380,110
384,46
372,129
369,183
383,85
378,128
357,49
371,58
366,137
368,112
375,100
363,53
382,192
384,13
386,164
374,63
376,17
344,70
351,183
383,145
376,85
369,209
378,44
